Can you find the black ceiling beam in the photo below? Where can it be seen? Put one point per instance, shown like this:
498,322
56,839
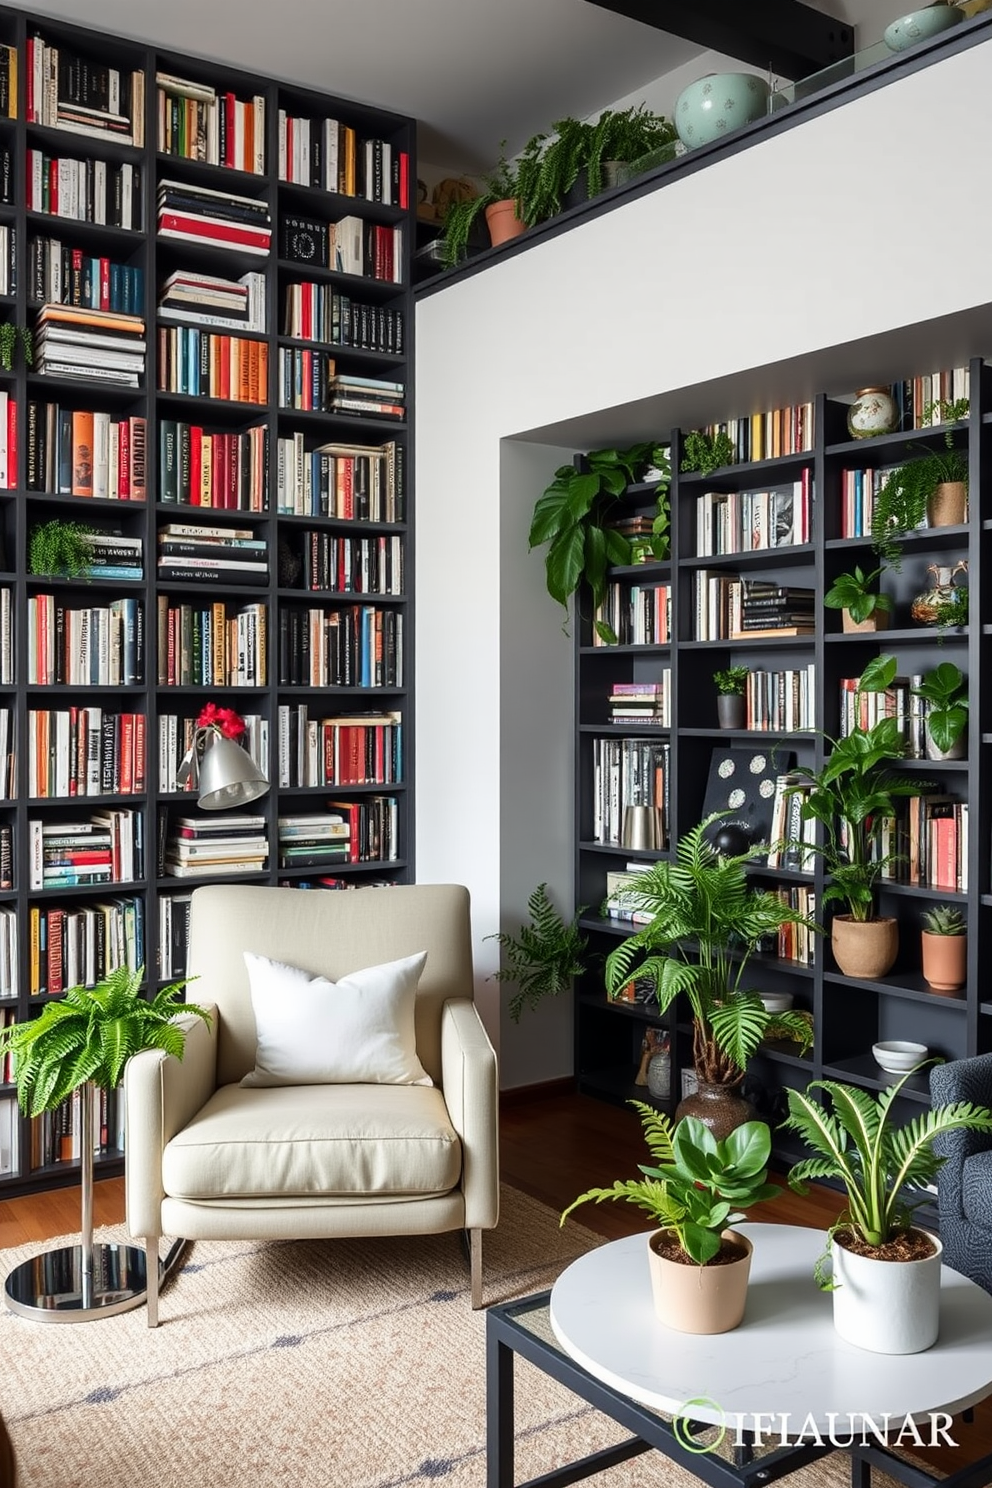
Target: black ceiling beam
790,39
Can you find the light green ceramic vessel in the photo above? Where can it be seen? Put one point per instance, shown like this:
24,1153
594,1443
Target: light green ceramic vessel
920,25
717,104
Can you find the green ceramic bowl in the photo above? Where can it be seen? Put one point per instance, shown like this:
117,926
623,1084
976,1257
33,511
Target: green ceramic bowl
920,25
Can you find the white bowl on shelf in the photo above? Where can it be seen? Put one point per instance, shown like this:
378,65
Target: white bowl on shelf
776,1002
899,1056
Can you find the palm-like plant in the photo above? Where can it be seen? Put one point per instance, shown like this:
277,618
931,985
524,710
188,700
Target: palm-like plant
876,1161
544,957
707,921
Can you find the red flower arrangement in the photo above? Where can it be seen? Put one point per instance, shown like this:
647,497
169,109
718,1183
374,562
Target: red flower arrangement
223,721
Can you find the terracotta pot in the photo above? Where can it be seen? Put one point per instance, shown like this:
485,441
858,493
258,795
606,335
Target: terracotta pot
731,710
503,222
945,961
948,506
720,1107
864,948
699,1299
878,620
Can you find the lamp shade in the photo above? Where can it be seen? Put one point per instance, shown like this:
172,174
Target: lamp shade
228,775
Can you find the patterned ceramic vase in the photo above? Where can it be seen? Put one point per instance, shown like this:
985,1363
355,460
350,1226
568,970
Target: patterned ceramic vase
874,411
717,104
920,25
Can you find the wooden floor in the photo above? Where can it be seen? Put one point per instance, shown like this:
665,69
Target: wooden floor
552,1147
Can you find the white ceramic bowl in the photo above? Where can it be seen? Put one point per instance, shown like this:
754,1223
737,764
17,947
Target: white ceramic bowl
898,1056
776,1002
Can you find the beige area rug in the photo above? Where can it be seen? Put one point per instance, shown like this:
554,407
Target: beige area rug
338,1364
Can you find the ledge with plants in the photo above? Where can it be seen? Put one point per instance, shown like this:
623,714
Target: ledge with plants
931,487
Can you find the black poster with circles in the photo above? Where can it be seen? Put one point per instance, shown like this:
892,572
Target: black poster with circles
742,783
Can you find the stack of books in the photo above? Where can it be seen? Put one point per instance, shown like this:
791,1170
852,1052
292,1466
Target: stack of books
69,854
212,300
639,703
347,393
769,609
196,214
66,91
214,555
114,557
200,846
314,840
93,345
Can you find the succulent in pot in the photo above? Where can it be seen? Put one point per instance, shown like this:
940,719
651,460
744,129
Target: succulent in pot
944,690
863,608
945,948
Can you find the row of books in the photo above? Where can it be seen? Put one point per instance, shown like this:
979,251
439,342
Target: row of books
360,482
638,615
8,260
308,380
922,395
352,749
8,442
215,556
85,452
897,701
352,565
211,645
210,364
6,636
373,828
97,191
214,469
175,736
198,214
210,299
747,521
859,493
92,345
88,646
317,312
195,122
10,975
727,607
79,945
768,435
59,275
635,704
355,646
85,751
349,246
6,855
173,935
927,843
202,846
628,772
792,836
313,840
781,702
69,91
55,1134
329,155
8,755
8,82
109,848
796,942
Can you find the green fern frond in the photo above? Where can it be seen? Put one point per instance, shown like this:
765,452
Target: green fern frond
543,957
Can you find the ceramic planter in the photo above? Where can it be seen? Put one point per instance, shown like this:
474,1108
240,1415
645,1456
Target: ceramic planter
721,1108
866,949
717,104
887,1307
874,411
877,620
920,25
731,710
503,222
699,1299
948,506
945,961
958,749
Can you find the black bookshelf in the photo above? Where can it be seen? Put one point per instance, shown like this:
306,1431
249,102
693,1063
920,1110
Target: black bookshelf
21,509
848,1015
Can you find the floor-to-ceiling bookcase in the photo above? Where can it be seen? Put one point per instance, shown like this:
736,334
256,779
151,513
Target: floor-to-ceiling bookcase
330,698
848,1015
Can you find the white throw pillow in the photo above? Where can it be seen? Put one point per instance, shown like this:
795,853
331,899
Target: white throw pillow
358,1031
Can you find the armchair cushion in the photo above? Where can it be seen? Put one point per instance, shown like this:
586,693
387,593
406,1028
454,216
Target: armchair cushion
313,1031
976,1188
328,1141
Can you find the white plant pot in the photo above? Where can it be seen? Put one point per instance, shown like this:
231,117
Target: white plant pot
887,1307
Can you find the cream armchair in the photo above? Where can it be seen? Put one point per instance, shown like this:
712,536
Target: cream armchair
208,1158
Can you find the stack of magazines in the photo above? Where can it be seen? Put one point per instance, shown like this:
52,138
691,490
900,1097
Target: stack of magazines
103,345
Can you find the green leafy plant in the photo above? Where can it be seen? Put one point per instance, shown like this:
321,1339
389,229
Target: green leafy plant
698,1185
60,549
853,592
901,503
944,691
707,921
501,184
551,164
853,794
10,334
944,919
857,1143
706,452
573,513
89,1035
544,957
732,682
949,614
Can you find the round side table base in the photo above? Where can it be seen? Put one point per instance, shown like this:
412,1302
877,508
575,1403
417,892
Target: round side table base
51,1287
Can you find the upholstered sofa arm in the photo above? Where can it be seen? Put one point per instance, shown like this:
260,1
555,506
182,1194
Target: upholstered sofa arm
960,1080
468,1077
161,1094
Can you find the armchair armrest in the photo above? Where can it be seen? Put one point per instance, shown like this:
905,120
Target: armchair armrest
161,1094
468,1078
959,1080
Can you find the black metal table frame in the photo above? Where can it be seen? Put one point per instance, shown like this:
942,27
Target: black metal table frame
505,1337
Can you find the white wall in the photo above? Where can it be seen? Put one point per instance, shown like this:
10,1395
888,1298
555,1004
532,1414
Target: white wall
737,282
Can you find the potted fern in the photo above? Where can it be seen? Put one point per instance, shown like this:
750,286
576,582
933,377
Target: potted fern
932,487
499,201
544,956
579,159
885,1270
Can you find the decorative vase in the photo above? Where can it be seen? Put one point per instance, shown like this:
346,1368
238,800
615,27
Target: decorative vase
719,1107
887,1307
503,222
730,710
945,961
877,620
948,506
865,949
920,25
699,1299
717,104
874,411
660,1076
958,749
925,608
